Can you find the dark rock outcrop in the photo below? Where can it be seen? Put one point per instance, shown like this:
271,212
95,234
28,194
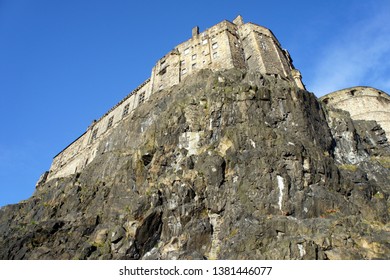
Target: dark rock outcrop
226,165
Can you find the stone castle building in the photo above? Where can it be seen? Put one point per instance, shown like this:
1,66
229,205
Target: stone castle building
225,45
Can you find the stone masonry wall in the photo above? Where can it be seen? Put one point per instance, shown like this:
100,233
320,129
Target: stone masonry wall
83,150
363,103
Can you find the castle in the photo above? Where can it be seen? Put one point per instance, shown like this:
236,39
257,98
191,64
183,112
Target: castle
226,45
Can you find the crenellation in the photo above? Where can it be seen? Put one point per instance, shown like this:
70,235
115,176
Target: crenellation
223,46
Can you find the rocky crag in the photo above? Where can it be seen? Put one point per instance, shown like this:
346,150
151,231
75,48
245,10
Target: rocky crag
225,165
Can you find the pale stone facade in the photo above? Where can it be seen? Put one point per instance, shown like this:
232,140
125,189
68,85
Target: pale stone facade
362,103
226,45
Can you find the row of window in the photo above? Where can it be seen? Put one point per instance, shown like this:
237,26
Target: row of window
193,57
194,65
213,46
125,112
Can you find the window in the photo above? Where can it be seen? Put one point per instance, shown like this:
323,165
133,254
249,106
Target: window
214,45
193,56
205,41
215,55
194,66
187,51
182,62
264,46
110,121
94,135
183,71
141,98
163,71
125,110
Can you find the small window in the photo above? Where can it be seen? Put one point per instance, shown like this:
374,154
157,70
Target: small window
183,71
205,41
187,51
141,98
162,62
215,55
163,71
125,110
214,45
94,135
193,56
182,62
264,46
110,121
194,66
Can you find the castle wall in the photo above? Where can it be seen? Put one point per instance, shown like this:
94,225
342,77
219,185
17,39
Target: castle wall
216,48
252,56
236,50
166,72
83,150
263,52
225,45
68,153
363,103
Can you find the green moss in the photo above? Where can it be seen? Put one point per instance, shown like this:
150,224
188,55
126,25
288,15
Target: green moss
348,167
379,195
233,233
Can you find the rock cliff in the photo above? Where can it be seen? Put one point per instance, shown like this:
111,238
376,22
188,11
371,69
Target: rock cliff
225,165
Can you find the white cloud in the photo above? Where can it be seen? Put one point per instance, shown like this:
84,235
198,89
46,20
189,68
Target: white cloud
360,56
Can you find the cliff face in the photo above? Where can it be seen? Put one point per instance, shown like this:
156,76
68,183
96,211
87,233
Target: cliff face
225,165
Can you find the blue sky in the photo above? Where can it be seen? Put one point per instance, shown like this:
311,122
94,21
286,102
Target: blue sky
65,63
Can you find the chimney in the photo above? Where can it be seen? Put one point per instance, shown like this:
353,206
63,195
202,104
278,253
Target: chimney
238,20
195,31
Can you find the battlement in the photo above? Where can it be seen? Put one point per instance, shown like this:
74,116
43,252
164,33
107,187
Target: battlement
223,46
